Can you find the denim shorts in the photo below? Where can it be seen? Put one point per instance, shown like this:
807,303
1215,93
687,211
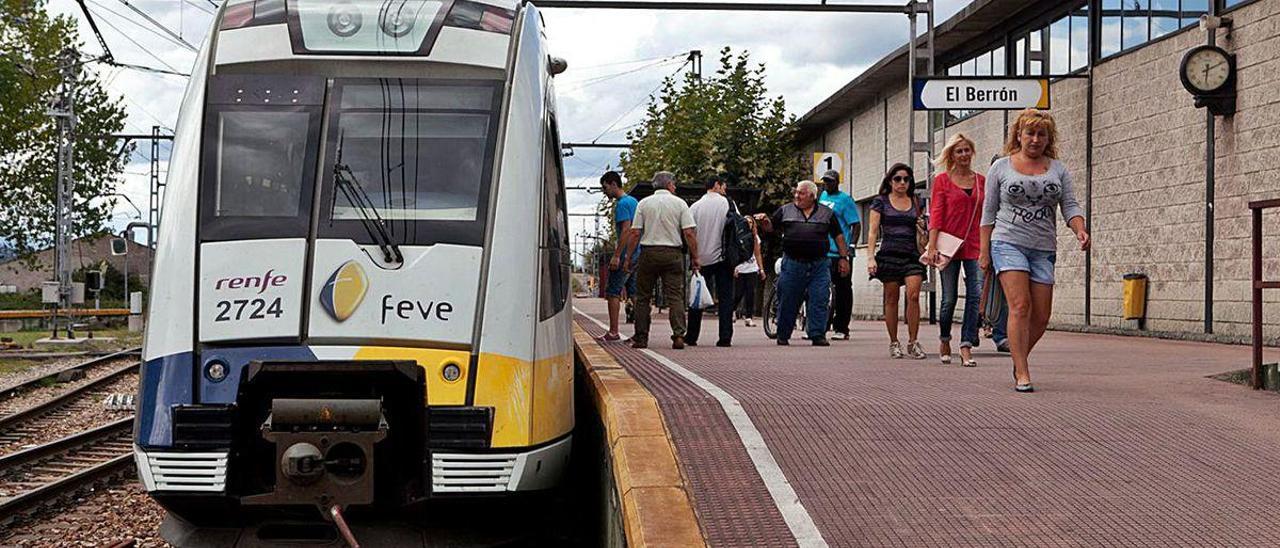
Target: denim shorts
1038,263
617,280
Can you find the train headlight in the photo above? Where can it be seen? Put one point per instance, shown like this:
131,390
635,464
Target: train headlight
396,23
344,20
215,371
451,372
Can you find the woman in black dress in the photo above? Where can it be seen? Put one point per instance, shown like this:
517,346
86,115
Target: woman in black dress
894,214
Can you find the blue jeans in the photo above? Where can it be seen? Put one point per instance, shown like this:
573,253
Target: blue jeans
1000,327
951,294
808,280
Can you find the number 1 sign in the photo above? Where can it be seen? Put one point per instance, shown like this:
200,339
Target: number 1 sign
824,161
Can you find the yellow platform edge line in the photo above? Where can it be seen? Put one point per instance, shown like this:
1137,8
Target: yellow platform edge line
657,507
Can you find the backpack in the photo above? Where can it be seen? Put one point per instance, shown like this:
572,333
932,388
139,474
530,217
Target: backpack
739,243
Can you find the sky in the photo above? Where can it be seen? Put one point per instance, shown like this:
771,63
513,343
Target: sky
616,60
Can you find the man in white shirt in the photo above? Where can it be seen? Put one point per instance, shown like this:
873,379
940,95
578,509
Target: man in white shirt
709,213
661,224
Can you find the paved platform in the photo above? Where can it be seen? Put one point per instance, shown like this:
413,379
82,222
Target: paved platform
1125,443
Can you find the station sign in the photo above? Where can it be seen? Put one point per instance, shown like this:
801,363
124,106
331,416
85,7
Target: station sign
824,161
979,93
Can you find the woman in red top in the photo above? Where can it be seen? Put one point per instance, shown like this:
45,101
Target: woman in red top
955,208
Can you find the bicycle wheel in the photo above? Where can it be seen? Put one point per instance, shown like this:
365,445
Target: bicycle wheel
770,312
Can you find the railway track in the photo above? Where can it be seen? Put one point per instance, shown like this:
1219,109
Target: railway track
90,368
46,474
22,424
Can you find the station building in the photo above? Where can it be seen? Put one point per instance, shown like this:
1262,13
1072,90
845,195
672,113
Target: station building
1130,135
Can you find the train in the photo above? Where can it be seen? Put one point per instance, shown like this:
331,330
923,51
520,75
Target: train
361,291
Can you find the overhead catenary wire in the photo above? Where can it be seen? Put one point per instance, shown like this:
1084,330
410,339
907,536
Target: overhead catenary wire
643,100
200,6
158,25
144,49
583,84
146,27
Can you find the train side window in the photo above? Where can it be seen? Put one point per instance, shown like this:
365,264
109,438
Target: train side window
554,290
261,141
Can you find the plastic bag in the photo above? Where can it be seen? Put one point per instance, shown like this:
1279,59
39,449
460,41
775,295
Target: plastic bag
699,295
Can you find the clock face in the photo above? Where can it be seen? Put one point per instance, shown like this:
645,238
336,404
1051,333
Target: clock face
1207,70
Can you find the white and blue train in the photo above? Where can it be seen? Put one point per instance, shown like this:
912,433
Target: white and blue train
362,288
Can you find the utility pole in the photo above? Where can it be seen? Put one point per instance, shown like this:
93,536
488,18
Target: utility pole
64,111
695,63
157,188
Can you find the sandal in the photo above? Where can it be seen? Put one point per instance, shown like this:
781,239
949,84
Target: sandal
944,352
968,363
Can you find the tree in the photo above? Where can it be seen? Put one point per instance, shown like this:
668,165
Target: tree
31,43
723,123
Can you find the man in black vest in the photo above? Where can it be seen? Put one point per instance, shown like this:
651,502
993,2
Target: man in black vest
805,226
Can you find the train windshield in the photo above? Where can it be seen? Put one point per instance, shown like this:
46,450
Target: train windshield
417,152
261,146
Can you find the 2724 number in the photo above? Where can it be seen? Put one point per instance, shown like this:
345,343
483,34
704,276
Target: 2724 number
258,309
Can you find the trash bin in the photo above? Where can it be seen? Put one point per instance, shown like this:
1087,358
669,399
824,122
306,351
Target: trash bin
1135,296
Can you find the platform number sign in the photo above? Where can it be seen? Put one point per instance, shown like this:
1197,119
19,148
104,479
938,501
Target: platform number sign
824,161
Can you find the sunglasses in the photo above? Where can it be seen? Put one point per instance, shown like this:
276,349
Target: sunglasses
901,179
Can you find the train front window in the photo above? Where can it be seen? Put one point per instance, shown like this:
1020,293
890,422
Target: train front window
260,149
415,154
260,165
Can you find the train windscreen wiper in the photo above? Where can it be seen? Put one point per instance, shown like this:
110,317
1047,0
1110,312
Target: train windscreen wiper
346,181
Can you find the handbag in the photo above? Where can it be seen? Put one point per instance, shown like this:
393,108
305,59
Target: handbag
949,244
993,304
922,227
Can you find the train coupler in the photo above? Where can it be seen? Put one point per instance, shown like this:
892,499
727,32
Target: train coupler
324,451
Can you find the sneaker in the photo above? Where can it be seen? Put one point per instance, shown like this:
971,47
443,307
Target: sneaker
915,350
784,342
821,341
723,344
677,343
840,336
750,323
639,344
609,337
895,350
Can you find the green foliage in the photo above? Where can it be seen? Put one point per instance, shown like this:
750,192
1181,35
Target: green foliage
722,123
29,300
31,43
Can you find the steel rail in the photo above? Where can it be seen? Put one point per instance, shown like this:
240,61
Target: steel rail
84,365
79,440
39,410
53,491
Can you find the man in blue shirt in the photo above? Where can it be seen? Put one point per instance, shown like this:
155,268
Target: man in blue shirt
841,285
623,213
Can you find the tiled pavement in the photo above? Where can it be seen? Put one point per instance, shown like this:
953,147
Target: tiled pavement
1125,443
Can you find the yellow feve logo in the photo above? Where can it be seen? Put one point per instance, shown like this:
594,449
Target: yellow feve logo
344,291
